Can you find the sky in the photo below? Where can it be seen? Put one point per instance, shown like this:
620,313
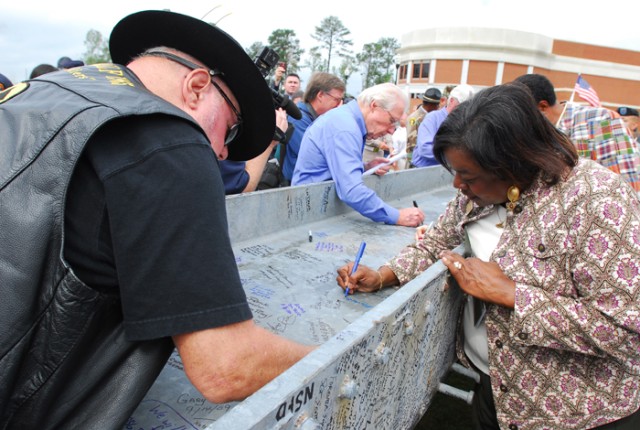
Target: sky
38,31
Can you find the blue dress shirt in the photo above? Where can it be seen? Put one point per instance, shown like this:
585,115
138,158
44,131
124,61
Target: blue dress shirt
293,145
234,176
332,149
423,152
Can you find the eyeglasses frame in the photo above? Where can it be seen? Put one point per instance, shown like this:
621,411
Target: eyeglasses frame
234,131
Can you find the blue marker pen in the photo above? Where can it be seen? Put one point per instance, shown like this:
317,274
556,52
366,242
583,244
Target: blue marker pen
355,264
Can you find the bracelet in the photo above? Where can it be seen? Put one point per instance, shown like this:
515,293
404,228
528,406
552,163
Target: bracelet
380,275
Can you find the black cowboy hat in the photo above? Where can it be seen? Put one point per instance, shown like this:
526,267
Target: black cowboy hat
153,28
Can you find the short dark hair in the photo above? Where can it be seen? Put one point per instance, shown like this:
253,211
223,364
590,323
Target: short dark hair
292,74
42,69
505,133
322,81
540,86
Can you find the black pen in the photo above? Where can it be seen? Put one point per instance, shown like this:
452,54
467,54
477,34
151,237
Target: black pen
415,205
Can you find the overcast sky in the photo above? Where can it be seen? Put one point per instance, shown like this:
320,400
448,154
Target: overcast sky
38,31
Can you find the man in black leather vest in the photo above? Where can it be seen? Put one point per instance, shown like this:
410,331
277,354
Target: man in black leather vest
113,228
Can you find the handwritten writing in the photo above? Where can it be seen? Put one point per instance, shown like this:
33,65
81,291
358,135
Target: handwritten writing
329,247
292,308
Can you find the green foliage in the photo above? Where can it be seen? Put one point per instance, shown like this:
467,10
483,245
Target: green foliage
346,68
285,43
315,62
254,50
97,48
377,61
332,35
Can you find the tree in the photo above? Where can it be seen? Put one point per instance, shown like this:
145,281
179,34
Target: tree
285,43
332,35
97,48
315,62
347,67
377,61
254,50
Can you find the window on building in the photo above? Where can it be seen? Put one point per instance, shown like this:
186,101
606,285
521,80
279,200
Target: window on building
403,71
420,70
425,70
416,71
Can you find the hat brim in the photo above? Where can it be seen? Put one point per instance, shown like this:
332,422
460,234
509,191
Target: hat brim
153,28
428,100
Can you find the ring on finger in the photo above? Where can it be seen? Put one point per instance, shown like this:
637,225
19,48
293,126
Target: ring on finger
457,265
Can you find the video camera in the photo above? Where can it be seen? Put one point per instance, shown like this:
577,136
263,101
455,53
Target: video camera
267,59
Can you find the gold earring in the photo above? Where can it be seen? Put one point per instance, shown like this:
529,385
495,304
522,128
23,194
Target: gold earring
513,194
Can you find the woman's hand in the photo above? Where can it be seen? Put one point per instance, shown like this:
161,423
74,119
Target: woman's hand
421,231
365,280
480,279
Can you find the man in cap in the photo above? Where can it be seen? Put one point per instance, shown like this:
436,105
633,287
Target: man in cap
423,152
4,82
597,133
430,102
114,234
68,63
631,118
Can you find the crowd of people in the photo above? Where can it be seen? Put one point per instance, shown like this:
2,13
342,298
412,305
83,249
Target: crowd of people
116,246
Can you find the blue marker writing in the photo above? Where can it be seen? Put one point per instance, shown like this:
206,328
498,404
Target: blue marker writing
355,264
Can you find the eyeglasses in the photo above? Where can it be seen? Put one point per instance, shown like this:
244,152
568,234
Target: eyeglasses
337,99
234,131
392,121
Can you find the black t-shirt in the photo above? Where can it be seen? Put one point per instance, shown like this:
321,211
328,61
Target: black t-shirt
145,215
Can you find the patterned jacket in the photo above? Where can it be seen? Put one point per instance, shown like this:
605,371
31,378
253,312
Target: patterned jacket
413,122
600,136
568,355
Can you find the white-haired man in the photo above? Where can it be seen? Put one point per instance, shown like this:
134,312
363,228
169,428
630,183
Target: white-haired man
333,145
423,152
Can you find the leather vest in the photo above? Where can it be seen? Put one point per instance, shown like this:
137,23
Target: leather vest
64,360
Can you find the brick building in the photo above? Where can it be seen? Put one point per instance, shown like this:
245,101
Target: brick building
484,57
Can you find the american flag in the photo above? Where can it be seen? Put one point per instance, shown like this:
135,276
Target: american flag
586,93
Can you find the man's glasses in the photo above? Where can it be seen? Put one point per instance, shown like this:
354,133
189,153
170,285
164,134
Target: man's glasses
234,131
337,99
392,121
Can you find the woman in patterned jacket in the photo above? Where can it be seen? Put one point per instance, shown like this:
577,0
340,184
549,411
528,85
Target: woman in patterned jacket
552,317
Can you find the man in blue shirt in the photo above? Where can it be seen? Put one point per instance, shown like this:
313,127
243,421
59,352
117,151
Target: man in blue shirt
423,152
244,176
332,149
324,92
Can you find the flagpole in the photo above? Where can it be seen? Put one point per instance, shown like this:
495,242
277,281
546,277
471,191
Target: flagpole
565,105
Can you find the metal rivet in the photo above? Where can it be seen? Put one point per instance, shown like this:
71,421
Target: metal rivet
382,353
348,389
408,327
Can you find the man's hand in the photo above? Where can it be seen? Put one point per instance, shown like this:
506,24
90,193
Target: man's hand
410,217
278,74
376,162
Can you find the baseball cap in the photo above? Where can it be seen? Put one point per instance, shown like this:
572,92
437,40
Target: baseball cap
68,63
140,31
432,95
627,111
462,92
4,82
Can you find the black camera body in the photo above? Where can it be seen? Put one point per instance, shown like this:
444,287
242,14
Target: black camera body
267,59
